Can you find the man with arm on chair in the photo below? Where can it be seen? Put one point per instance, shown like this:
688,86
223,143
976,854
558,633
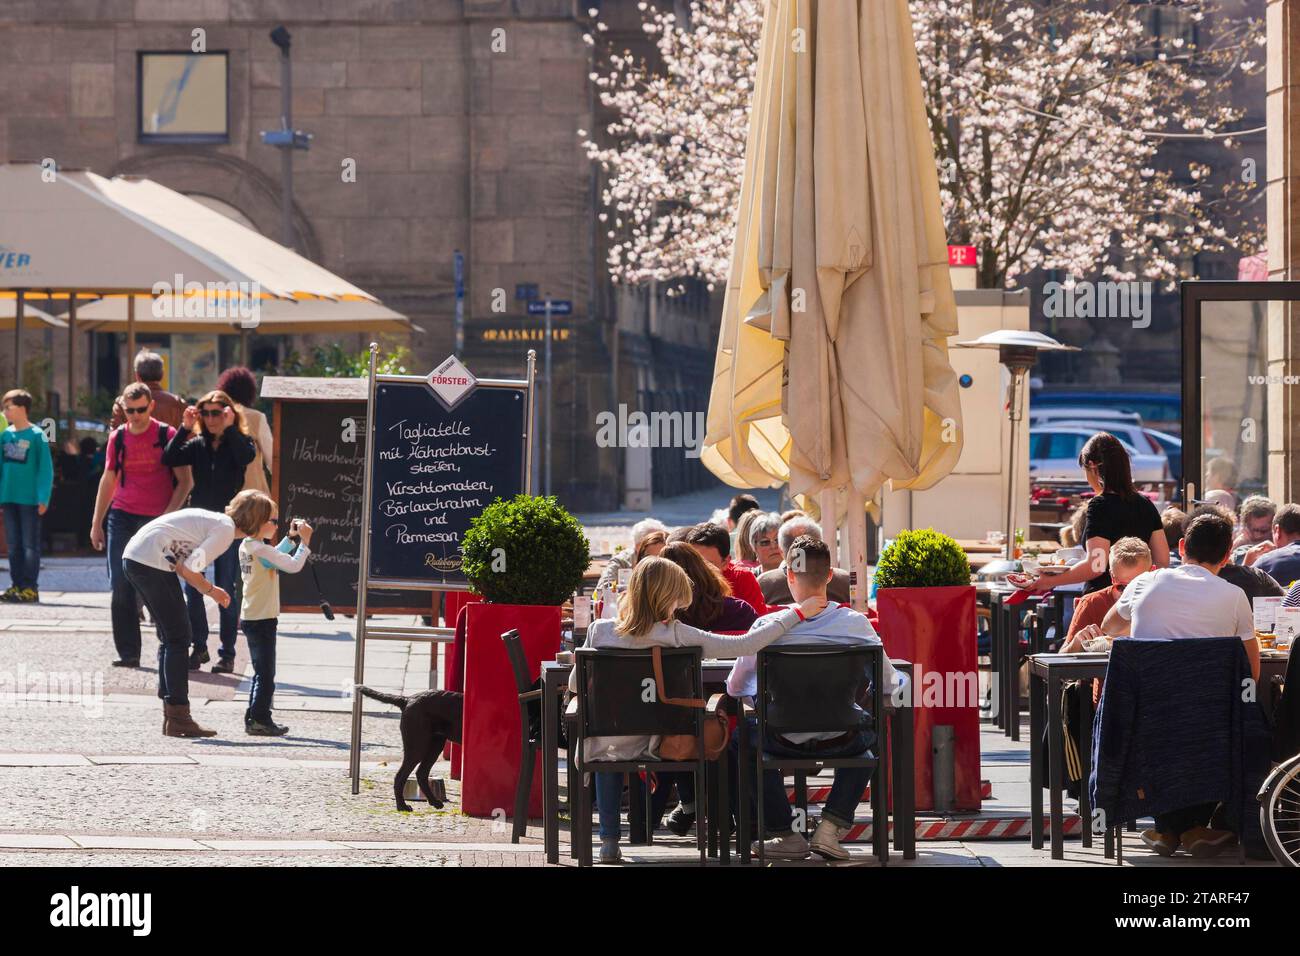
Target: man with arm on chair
808,572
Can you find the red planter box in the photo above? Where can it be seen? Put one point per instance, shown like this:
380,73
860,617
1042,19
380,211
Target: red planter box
934,628
491,736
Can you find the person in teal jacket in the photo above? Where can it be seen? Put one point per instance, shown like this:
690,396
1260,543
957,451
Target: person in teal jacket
26,480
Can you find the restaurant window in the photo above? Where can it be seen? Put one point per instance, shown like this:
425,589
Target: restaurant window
183,97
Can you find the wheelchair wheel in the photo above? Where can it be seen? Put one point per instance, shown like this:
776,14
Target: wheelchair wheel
1279,812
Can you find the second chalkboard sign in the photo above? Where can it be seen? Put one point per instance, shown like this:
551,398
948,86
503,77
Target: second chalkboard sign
434,469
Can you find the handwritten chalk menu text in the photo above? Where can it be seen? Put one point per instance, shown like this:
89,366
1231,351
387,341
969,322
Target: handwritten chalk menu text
434,471
319,473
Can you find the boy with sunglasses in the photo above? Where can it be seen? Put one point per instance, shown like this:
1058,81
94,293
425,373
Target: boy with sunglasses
26,480
136,487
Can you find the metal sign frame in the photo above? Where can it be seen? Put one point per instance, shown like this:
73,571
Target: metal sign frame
430,635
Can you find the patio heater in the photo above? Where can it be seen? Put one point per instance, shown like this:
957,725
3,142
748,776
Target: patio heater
1018,351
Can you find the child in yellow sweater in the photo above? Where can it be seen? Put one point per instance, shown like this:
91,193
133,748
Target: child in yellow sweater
259,613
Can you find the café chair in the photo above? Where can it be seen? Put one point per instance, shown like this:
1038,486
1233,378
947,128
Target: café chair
530,730
815,688
611,701
1175,729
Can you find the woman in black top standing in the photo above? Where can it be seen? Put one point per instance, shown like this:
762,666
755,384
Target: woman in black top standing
1116,510
214,442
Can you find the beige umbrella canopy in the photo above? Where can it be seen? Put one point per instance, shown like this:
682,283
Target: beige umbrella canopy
266,317
840,269
33,318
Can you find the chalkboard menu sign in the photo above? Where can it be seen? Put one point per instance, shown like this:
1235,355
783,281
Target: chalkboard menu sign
435,469
318,474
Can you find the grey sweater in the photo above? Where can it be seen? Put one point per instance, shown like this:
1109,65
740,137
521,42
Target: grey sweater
602,634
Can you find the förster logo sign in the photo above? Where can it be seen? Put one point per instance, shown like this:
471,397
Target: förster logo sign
451,382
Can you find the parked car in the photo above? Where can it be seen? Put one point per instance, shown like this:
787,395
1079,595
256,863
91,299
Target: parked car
1157,409
1127,432
1054,454
1104,417
1173,447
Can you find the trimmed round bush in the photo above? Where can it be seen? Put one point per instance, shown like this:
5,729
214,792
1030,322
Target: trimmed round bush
528,550
922,559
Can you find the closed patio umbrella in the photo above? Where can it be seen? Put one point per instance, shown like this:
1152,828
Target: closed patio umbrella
841,261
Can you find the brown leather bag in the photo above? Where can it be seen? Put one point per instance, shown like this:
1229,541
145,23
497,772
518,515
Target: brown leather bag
675,747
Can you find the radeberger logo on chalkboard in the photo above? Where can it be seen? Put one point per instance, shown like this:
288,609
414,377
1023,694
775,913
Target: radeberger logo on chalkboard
440,563
451,382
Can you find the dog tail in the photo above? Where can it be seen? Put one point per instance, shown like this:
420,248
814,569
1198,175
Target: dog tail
396,700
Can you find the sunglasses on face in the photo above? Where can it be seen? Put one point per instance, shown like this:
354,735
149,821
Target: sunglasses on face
143,409
213,412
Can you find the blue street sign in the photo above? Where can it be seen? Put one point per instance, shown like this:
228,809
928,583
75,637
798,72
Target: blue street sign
458,262
525,291
558,307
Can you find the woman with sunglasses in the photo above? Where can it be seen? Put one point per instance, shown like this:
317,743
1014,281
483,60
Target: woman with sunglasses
213,440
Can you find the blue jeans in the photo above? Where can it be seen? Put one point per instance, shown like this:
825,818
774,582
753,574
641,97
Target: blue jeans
261,648
121,526
161,591
846,791
23,533
225,572
609,796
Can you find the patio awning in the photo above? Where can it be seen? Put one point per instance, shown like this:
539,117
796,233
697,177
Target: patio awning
273,317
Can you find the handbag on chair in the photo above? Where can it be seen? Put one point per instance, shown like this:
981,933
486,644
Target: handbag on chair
677,747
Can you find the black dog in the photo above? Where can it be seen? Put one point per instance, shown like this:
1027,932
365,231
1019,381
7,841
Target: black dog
429,719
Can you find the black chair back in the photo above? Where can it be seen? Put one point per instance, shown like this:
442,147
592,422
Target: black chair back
518,662
618,697
819,688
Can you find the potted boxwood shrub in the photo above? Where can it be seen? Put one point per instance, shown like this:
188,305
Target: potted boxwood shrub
526,557
926,606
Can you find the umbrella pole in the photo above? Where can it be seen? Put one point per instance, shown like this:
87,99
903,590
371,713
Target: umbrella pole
18,340
130,329
830,526
72,358
858,547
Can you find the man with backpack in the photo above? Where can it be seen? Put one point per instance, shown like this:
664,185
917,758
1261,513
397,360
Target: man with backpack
136,487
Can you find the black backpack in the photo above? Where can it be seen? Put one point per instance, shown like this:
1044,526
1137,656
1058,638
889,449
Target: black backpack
119,448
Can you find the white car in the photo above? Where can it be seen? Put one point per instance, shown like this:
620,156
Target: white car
1054,454
1134,435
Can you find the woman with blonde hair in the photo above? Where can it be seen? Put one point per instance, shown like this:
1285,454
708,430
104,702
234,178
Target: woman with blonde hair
181,544
646,617
213,441
746,557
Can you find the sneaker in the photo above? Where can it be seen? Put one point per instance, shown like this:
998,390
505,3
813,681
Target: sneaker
609,851
826,841
10,595
1166,844
788,846
1202,842
198,657
127,663
268,728
680,820
224,665
28,596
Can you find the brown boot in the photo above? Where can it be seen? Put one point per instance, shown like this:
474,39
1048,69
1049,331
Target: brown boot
177,722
